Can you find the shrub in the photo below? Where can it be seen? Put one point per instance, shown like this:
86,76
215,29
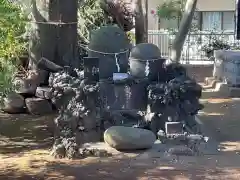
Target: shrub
90,17
214,42
12,44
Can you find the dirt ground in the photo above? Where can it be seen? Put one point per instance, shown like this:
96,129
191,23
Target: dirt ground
25,141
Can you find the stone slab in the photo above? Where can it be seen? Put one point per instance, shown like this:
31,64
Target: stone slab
211,82
234,92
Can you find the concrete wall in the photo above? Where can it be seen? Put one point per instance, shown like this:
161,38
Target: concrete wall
203,5
199,72
152,20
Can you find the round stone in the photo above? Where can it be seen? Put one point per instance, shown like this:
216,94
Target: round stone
13,103
38,106
128,138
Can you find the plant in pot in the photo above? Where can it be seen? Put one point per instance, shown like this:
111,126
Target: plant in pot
209,48
214,42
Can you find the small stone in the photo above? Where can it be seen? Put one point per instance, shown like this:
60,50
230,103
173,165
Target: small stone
13,103
38,106
25,86
128,138
43,92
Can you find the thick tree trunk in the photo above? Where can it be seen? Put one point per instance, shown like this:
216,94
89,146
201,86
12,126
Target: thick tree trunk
184,28
141,27
54,32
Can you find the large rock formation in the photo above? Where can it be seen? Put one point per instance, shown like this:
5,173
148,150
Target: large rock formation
79,119
175,100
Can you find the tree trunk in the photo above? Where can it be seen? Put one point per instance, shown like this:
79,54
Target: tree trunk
141,28
184,28
238,20
146,21
54,32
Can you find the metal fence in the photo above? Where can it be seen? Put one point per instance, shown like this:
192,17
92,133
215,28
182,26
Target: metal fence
192,50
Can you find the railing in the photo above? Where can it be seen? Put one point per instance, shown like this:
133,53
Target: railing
192,49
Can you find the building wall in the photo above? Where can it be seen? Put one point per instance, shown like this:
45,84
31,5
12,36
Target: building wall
216,5
203,5
152,20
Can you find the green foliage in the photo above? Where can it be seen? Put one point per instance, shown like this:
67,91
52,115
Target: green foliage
12,45
131,37
215,45
91,17
12,26
171,9
174,9
214,42
7,70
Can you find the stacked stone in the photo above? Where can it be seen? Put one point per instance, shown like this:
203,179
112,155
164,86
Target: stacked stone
172,95
31,95
78,121
122,98
176,99
76,96
117,96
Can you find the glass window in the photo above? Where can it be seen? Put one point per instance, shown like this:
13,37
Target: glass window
211,21
228,21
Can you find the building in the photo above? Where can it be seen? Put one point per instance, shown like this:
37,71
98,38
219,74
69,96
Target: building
209,15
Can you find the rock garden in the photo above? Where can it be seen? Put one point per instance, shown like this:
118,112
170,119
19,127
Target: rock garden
84,95
123,96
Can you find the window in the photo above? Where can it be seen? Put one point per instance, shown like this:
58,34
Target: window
205,21
217,21
228,21
211,21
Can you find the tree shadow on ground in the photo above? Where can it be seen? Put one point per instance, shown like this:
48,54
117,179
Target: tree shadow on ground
21,132
221,119
34,129
113,168
219,116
